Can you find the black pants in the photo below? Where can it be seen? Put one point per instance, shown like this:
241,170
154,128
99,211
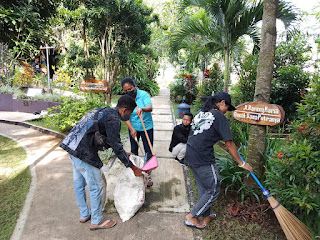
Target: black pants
134,145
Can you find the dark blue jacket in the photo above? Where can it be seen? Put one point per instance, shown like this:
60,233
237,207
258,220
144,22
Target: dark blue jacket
80,141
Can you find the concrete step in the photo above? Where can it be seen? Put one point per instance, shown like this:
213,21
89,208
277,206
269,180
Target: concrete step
163,126
157,106
162,135
168,192
162,111
162,118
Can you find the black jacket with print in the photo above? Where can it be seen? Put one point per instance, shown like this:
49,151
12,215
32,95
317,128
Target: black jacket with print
80,141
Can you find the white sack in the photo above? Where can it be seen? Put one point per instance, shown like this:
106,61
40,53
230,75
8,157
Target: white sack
112,175
129,193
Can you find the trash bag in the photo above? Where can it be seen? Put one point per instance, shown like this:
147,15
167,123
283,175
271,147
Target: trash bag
129,193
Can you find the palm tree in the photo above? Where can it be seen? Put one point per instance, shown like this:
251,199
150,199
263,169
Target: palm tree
217,27
257,135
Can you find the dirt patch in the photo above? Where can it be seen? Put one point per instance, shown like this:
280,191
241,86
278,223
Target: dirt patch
246,220
166,191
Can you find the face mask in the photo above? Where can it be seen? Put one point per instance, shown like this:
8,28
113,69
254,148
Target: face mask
125,118
132,93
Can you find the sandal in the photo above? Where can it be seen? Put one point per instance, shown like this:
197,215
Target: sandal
105,224
190,224
84,220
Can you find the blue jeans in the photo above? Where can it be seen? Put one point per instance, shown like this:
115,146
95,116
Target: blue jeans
85,174
208,185
134,145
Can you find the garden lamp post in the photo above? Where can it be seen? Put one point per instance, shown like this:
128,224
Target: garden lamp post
47,57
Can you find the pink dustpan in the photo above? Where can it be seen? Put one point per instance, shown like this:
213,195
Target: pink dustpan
151,164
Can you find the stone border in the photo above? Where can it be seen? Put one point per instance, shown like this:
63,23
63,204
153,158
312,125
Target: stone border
197,234
40,129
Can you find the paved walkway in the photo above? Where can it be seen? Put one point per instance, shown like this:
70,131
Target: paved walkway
53,213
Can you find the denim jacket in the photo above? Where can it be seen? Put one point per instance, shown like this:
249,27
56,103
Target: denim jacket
80,140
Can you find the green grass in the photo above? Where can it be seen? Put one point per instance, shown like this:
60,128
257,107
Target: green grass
15,181
42,123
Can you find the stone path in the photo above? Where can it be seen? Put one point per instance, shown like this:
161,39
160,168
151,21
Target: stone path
53,213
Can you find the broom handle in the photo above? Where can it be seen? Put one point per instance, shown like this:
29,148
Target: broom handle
136,140
147,136
264,190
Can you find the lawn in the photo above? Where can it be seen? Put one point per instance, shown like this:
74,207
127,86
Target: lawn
15,181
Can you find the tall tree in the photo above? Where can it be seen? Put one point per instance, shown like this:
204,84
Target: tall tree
23,22
120,27
257,135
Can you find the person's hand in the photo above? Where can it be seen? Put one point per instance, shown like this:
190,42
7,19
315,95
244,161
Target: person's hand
133,133
139,112
137,171
246,166
129,154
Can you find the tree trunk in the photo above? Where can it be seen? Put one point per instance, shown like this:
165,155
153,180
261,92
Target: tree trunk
257,135
226,75
85,45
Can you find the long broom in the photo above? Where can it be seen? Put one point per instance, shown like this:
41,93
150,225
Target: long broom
291,226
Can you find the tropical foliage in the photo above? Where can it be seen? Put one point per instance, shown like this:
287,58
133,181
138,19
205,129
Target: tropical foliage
293,173
218,27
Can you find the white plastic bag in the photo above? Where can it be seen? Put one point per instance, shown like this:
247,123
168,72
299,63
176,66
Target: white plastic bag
129,193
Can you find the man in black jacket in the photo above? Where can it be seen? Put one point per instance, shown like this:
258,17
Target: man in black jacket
180,137
83,150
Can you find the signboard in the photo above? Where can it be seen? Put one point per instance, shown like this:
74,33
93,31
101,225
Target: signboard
259,113
31,92
93,85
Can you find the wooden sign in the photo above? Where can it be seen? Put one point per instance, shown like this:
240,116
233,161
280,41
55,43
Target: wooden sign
259,113
93,85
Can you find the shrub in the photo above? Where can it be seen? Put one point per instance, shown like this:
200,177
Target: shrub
293,173
185,89
143,69
289,75
23,76
212,83
70,111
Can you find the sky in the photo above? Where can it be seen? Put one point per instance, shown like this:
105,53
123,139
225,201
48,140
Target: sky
310,24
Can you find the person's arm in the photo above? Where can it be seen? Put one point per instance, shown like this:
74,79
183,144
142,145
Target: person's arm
146,102
133,132
113,133
144,109
234,153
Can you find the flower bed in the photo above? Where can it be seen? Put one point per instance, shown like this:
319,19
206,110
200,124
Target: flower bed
8,103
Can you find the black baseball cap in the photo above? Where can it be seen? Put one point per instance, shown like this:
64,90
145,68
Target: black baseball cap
226,97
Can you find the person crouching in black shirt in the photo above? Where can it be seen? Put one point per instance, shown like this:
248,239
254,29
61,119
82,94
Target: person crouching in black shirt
180,137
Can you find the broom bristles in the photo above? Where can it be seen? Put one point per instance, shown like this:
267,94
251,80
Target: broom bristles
291,226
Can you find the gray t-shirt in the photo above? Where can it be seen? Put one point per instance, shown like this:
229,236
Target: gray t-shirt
207,129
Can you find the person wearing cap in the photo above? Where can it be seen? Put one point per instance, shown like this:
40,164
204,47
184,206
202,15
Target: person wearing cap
144,109
209,126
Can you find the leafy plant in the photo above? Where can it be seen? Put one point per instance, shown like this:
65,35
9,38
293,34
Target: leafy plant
23,76
185,89
212,83
70,111
233,177
293,173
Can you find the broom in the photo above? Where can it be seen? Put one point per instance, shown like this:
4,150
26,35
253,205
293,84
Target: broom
291,226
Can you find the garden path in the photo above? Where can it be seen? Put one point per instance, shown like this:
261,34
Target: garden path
53,212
